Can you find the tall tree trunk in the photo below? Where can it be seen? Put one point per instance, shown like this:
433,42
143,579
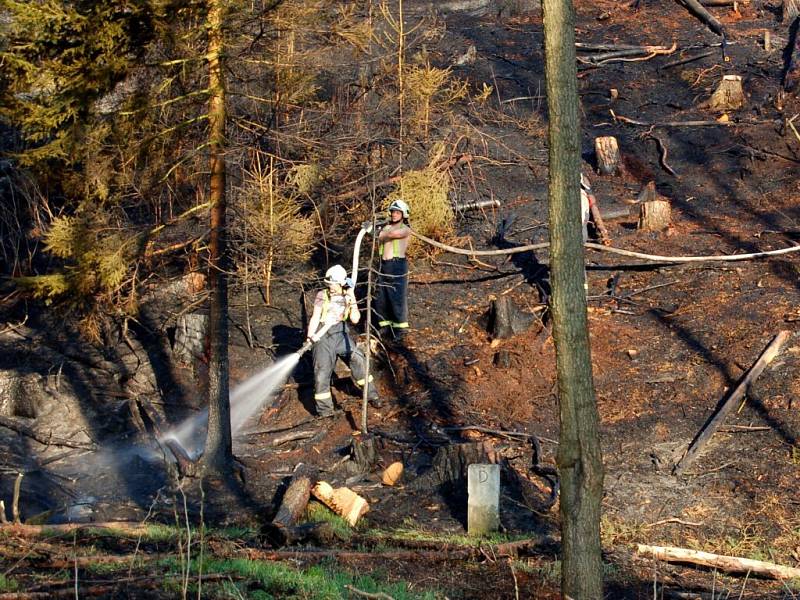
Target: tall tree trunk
579,457
218,450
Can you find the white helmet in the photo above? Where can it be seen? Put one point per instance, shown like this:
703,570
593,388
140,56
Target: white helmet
336,274
400,205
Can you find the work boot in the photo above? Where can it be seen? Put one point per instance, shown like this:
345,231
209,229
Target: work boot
375,401
328,413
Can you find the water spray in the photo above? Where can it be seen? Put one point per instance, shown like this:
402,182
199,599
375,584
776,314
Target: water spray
252,394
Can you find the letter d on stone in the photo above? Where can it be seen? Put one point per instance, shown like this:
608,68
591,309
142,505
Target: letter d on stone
483,501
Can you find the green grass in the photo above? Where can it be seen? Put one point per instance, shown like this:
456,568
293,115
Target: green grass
412,531
316,513
7,584
261,580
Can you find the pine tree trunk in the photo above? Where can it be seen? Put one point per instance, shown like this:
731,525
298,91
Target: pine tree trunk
579,458
218,451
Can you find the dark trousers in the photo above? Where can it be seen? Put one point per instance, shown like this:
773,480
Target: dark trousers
391,307
337,343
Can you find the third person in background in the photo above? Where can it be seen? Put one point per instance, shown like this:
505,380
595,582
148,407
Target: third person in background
391,307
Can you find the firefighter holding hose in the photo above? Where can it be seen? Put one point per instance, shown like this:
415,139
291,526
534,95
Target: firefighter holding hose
335,307
391,300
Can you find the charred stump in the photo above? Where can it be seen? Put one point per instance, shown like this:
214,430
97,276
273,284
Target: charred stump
506,319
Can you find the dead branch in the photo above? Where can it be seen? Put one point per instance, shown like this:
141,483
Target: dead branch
186,465
688,59
663,158
623,119
22,530
293,437
711,426
45,440
363,594
731,564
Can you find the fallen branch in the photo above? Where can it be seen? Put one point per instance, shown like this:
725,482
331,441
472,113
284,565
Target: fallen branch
45,440
293,437
617,117
732,564
628,55
22,530
663,157
688,59
186,465
711,426
363,594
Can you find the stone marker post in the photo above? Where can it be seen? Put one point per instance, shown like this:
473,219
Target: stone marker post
483,500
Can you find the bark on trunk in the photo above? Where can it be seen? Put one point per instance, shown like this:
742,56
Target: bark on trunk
579,457
218,450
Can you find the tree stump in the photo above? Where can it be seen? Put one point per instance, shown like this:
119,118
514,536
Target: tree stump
364,452
654,216
502,359
729,95
606,152
506,320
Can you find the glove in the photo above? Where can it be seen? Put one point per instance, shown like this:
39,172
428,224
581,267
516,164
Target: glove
367,226
348,283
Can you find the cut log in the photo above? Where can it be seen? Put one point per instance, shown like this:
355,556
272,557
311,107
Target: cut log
729,95
506,319
654,216
477,205
606,152
731,564
711,426
392,473
294,501
343,501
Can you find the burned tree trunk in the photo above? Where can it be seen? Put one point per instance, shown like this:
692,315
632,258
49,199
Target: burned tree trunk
606,151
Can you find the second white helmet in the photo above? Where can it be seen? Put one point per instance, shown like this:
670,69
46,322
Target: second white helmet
400,205
336,274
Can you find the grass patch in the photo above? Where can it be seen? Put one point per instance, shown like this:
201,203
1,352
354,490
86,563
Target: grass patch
412,532
259,580
319,513
7,584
